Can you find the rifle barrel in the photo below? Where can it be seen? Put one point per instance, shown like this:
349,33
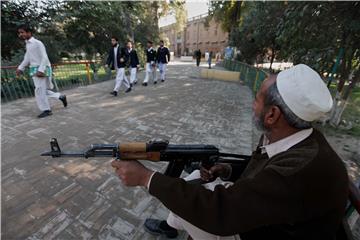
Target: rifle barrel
78,154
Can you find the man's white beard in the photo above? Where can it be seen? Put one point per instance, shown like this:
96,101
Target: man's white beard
259,122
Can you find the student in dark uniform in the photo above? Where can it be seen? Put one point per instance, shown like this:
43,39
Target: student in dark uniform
210,58
117,60
133,62
150,63
198,57
163,57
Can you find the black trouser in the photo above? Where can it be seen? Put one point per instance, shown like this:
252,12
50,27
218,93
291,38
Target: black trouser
197,61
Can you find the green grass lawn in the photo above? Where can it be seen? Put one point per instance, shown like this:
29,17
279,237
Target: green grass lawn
351,112
77,74
72,71
69,71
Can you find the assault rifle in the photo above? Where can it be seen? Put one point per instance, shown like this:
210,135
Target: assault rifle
178,156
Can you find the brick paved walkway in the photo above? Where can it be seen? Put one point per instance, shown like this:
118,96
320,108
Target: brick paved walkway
44,198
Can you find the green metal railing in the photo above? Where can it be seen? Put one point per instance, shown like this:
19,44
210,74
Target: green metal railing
65,75
250,75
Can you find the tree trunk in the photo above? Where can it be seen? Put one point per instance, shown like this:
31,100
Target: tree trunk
238,11
343,74
340,103
272,59
338,109
155,10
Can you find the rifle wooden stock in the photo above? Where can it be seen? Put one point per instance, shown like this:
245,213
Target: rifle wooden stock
137,151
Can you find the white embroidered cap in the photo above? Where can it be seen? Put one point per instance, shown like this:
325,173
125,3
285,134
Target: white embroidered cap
304,92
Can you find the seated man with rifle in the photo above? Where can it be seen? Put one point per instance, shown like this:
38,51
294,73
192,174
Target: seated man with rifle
294,187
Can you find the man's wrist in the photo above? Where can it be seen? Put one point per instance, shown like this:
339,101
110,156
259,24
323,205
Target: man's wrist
147,178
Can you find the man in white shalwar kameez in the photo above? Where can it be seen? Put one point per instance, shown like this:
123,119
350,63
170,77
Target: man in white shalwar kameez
40,71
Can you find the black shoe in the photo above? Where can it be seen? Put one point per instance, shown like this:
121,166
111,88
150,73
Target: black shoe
155,82
128,90
135,82
159,227
131,85
45,114
114,93
63,99
144,84
162,80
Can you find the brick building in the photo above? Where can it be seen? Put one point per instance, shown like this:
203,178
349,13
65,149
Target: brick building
196,36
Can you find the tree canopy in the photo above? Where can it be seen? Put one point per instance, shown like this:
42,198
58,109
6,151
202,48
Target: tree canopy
76,27
36,14
323,35
308,32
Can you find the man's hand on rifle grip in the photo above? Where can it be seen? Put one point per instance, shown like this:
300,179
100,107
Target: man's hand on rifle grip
132,173
221,170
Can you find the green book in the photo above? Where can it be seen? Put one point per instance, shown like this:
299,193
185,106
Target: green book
34,70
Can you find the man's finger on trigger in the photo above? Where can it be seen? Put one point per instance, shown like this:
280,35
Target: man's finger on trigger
115,164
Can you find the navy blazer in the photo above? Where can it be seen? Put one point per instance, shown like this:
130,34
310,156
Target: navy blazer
133,58
150,55
162,53
120,54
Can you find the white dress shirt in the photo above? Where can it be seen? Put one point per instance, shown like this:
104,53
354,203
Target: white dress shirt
284,144
35,55
149,49
115,56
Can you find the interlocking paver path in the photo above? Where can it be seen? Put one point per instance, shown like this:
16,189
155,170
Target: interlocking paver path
64,198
